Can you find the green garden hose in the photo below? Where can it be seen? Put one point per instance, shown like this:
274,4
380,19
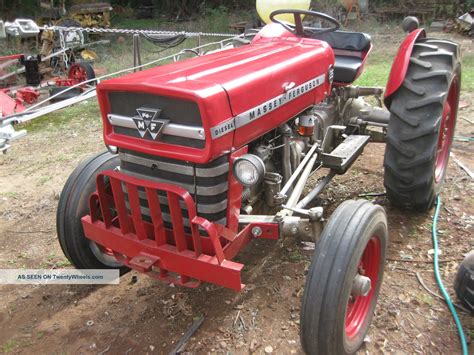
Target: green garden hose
463,139
445,294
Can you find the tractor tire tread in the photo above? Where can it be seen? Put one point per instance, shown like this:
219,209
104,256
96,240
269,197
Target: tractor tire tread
73,204
415,115
445,74
69,186
425,47
401,115
428,101
444,44
421,63
409,85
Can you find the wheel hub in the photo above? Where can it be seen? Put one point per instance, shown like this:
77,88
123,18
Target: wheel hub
361,286
362,292
104,255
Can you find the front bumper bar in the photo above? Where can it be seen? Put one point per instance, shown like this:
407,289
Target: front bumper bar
179,255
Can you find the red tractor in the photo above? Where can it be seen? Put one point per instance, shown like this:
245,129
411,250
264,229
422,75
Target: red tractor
209,153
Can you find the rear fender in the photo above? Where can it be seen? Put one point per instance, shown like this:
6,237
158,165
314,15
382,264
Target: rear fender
400,64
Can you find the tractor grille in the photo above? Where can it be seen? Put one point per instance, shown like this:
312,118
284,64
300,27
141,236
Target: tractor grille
207,183
184,127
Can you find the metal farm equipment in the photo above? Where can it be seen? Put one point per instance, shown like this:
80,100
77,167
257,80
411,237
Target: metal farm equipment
58,78
207,154
27,81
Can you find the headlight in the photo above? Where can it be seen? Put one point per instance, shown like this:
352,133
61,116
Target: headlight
249,169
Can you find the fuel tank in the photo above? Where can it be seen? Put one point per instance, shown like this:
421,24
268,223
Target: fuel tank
201,108
266,7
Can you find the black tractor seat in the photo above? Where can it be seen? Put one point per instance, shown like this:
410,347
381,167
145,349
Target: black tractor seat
346,68
350,49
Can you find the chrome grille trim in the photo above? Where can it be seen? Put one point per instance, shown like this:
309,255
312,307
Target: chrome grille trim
160,165
167,217
189,188
207,183
183,169
171,129
199,190
201,208
213,172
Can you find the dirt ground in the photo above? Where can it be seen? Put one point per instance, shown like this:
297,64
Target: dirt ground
147,316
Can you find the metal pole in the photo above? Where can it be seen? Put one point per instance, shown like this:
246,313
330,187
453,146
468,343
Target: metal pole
286,162
298,190
137,60
297,172
316,191
27,116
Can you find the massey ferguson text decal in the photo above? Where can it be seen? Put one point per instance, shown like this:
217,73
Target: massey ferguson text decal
147,121
265,108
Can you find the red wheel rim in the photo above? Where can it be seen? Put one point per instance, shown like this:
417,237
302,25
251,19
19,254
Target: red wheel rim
358,308
77,73
446,130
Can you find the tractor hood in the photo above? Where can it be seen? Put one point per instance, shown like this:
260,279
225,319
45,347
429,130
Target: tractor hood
231,96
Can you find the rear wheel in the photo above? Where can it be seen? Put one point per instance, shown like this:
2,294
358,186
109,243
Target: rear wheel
422,122
344,279
73,205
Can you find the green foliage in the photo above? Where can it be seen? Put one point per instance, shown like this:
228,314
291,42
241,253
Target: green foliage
185,8
217,18
61,119
295,257
9,346
11,9
467,80
378,67
375,74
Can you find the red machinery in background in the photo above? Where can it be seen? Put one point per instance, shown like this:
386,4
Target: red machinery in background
15,96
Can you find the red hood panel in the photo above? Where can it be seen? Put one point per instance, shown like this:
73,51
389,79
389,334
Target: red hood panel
229,83
237,70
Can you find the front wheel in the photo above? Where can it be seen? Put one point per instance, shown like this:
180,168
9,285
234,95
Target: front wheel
344,279
73,205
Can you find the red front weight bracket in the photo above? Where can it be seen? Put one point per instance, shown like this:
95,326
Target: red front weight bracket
193,250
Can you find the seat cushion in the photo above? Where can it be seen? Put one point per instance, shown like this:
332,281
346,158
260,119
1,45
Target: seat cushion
349,41
346,68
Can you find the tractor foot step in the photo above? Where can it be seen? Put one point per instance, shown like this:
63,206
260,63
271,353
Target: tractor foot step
342,157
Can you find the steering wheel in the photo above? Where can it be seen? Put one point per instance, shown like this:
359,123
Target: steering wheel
298,27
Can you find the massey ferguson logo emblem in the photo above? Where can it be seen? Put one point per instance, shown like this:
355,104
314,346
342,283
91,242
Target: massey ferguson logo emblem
147,121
